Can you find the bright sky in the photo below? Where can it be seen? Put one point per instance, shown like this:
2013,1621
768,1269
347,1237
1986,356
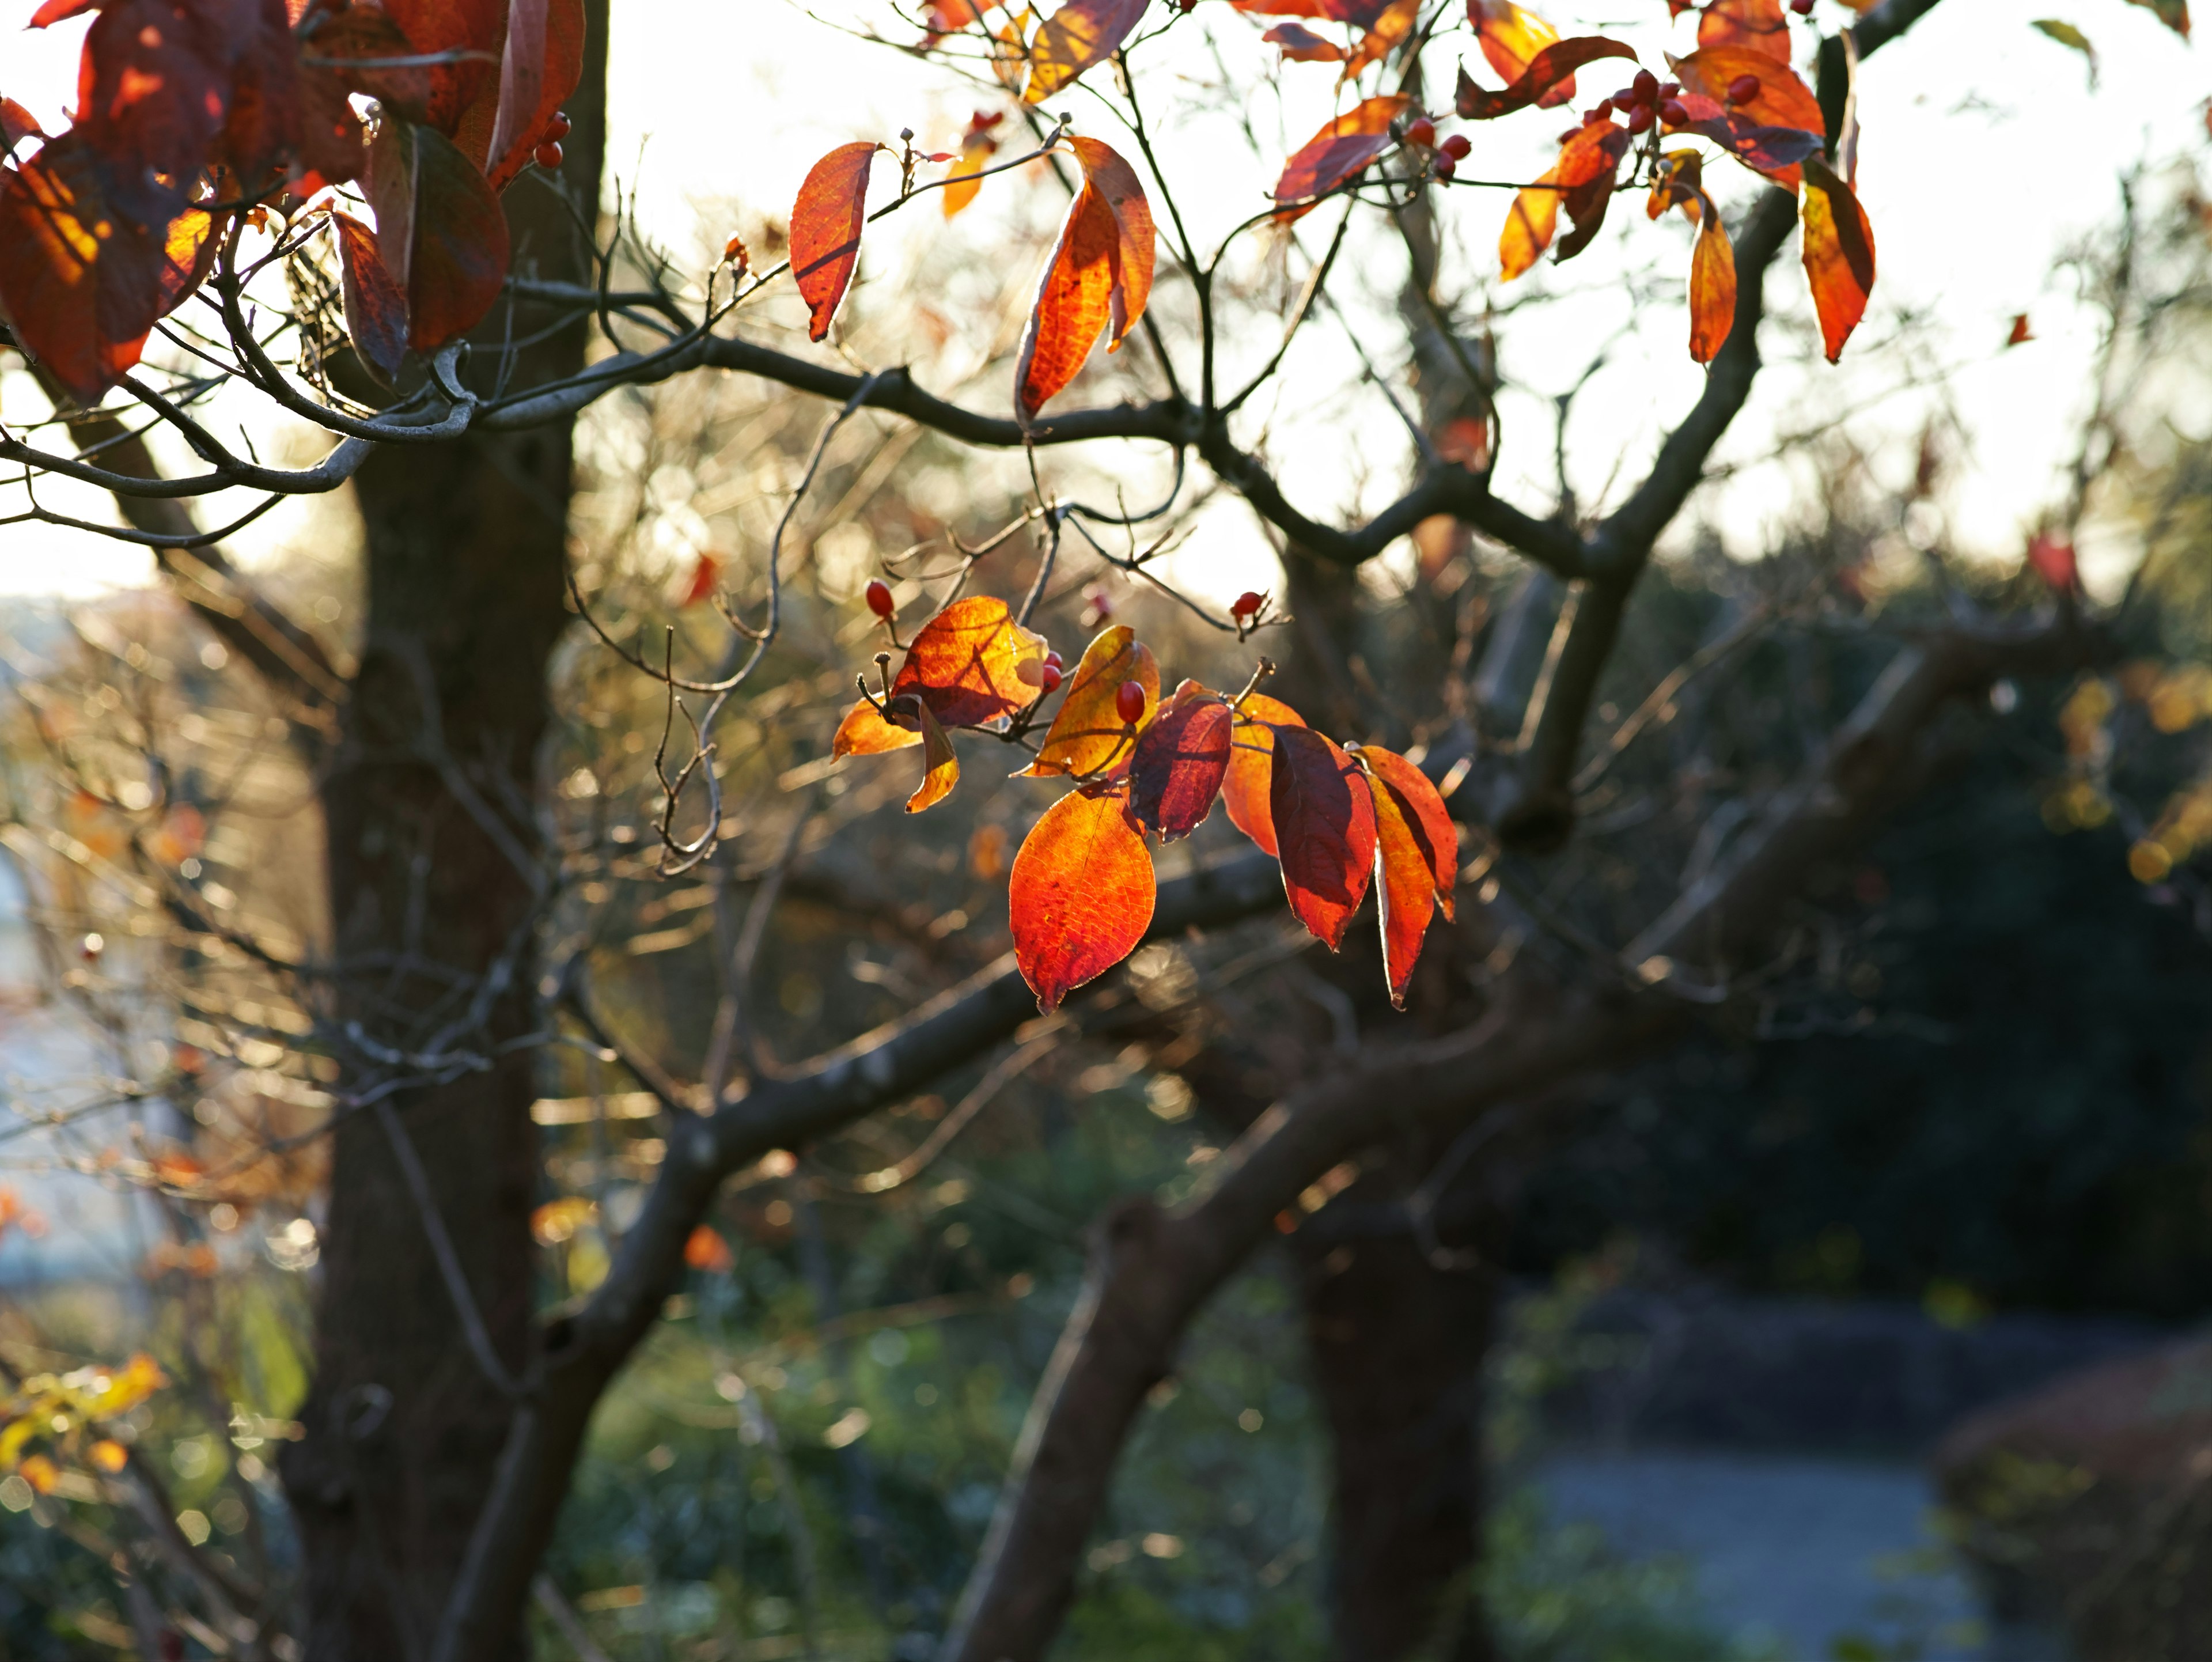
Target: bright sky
1985,155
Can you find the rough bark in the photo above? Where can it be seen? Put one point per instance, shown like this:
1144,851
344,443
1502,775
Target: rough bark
432,841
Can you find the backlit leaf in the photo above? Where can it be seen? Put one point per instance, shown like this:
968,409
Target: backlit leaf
1405,893
1098,281
442,232
976,152
972,663
1389,30
1301,45
863,732
1551,67
1712,285
1838,248
1086,736
465,35
1341,148
1511,37
1581,180
941,766
1428,820
1776,152
541,65
1178,765
79,281
1080,897
1245,789
1784,99
1755,25
375,306
265,118
825,231
1360,13
1080,34
1324,822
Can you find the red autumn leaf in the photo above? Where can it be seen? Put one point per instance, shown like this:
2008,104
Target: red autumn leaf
365,50
541,64
149,105
1754,25
1675,182
333,145
1341,148
1079,35
1245,789
267,115
465,35
1098,281
16,123
442,232
1554,66
825,231
1428,821
1783,100
941,766
1392,28
375,305
1512,37
705,577
1081,894
1361,13
1776,152
972,663
1301,45
1324,821
2052,556
1405,893
1838,248
80,302
704,1250
1087,735
1178,763
1581,180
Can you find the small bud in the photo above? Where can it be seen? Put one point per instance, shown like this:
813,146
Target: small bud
1129,702
906,135
879,599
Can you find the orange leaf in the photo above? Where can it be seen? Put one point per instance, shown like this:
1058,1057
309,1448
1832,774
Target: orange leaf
1341,148
1582,180
940,766
1712,284
1324,821
1551,67
825,231
976,152
1081,33
1783,100
1080,897
1755,25
1510,38
1428,821
863,732
1178,763
706,576
1839,247
1098,279
1396,23
1774,151
1244,789
1301,45
1405,893
972,663
1087,734
375,306
16,123
704,1249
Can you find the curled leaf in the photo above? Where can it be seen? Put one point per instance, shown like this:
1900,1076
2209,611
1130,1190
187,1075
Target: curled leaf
1405,893
1551,68
1177,765
1838,248
825,231
1087,735
941,766
1246,786
1081,34
1581,180
864,731
1081,894
1754,25
375,305
1712,287
1098,281
972,663
1341,148
1323,816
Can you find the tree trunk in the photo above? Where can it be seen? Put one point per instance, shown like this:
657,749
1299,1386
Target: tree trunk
432,834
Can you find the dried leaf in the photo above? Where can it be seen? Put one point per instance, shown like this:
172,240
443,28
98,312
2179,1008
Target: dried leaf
1098,281
972,663
1341,148
1427,820
1087,736
825,231
1079,36
1323,817
1754,25
1838,248
1178,765
1551,67
375,306
1081,894
1246,786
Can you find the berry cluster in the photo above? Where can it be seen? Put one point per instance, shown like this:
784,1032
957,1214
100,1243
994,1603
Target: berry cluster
1643,102
1421,133
547,153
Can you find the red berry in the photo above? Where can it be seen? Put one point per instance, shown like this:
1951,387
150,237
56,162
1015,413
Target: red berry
1246,605
1445,168
1639,118
1457,146
1602,112
1129,702
1670,89
1053,660
1803,8
1647,86
1743,90
1187,5
547,155
559,126
1675,114
1623,97
1052,676
879,599
1421,130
